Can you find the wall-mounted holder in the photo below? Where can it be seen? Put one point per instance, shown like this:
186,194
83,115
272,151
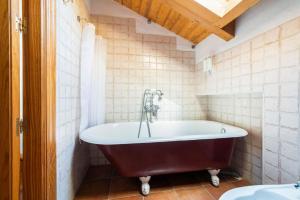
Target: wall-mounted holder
81,19
208,65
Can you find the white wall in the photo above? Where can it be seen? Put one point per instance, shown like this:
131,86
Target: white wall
72,157
245,111
112,8
266,15
88,4
268,63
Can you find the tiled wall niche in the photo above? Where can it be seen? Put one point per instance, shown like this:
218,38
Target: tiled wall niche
72,157
140,61
268,63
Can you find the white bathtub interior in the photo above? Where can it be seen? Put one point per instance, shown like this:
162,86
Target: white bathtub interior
127,132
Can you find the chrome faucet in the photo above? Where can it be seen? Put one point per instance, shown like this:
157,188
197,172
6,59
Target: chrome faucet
297,185
149,107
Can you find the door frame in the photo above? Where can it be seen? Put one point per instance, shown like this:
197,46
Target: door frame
39,157
39,170
9,101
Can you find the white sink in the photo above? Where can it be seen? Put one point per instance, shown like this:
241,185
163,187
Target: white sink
263,192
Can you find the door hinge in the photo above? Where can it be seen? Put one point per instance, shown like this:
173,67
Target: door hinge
21,24
20,126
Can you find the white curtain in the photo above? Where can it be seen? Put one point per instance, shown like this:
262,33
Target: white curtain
97,97
92,83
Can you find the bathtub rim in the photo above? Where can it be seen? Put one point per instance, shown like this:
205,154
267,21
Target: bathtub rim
86,138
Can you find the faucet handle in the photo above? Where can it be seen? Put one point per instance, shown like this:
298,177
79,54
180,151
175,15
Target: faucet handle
297,185
154,111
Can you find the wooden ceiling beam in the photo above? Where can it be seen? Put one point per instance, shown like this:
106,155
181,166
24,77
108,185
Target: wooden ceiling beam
235,12
187,29
194,32
163,13
179,24
167,18
200,37
153,10
144,8
230,28
180,6
199,21
127,3
135,5
227,22
195,7
171,20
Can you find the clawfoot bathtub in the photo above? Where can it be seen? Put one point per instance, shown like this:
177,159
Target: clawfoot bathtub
175,146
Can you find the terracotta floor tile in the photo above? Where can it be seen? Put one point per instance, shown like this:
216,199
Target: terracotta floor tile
182,181
97,185
129,198
194,194
216,192
124,187
168,195
93,190
241,183
99,172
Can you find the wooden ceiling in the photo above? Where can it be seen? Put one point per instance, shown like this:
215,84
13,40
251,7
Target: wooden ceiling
189,19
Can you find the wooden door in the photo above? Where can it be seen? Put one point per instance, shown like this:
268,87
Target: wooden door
39,158
38,49
9,100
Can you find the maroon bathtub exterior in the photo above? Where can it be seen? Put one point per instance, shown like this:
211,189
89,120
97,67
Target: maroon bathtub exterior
148,159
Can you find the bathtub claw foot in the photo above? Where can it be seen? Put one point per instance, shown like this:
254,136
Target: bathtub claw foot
214,178
145,188
215,181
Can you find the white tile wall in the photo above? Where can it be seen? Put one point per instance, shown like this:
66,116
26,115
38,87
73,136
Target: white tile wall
140,61
268,63
72,157
245,111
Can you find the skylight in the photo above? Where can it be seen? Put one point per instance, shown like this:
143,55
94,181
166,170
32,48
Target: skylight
219,7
